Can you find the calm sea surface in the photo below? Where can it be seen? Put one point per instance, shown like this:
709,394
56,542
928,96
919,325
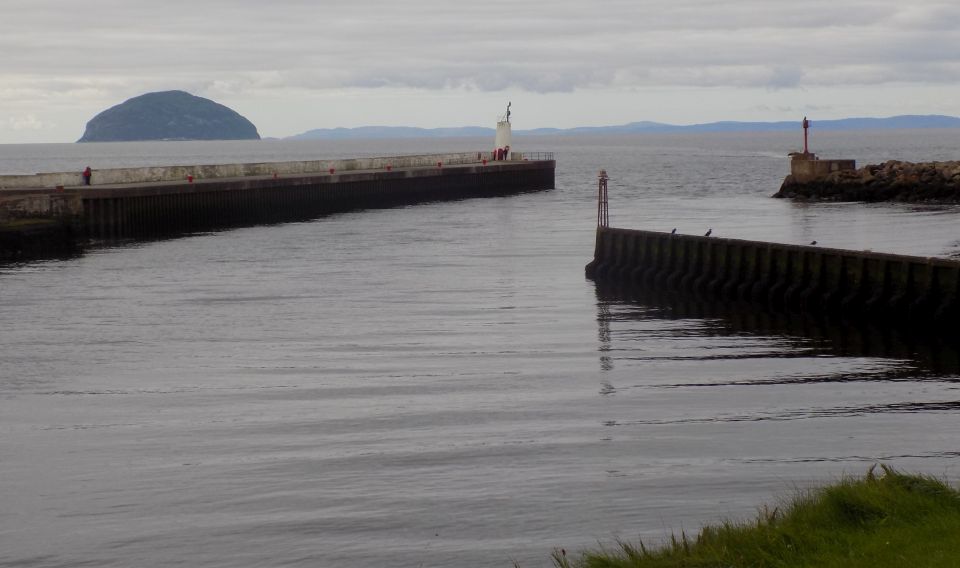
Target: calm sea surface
438,385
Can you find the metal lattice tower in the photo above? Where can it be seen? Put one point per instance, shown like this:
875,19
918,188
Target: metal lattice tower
603,210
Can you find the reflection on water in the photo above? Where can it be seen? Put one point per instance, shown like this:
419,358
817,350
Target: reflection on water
804,414
801,389
933,354
879,457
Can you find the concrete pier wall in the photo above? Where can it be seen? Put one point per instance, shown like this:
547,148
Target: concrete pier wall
43,204
214,171
39,224
880,286
154,209
808,167
34,221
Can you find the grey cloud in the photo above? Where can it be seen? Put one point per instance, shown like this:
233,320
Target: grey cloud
785,77
485,77
244,45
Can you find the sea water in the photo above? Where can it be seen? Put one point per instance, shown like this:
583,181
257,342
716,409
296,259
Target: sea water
439,385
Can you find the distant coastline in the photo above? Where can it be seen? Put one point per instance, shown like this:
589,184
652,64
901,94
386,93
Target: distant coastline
644,127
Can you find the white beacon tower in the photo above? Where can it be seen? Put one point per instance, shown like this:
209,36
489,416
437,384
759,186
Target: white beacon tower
501,145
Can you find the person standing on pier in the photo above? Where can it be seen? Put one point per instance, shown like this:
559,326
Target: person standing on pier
87,173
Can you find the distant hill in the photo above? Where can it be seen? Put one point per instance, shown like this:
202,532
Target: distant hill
168,115
894,122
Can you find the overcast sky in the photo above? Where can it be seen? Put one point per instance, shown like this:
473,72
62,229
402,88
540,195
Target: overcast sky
293,65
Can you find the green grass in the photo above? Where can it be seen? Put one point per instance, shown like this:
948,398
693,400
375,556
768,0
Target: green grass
881,520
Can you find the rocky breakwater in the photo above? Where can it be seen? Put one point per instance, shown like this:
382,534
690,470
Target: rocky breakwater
890,181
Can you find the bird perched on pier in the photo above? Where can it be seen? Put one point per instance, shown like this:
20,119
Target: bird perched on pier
708,233
674,231
813,242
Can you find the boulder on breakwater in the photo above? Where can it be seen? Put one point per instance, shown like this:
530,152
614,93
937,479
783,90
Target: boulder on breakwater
892,180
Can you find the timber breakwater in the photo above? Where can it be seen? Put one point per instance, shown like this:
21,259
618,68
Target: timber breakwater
893,180
49,213
885,288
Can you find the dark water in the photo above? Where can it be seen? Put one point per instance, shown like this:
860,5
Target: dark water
439,385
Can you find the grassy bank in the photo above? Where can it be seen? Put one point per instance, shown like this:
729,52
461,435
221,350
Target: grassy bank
885,519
